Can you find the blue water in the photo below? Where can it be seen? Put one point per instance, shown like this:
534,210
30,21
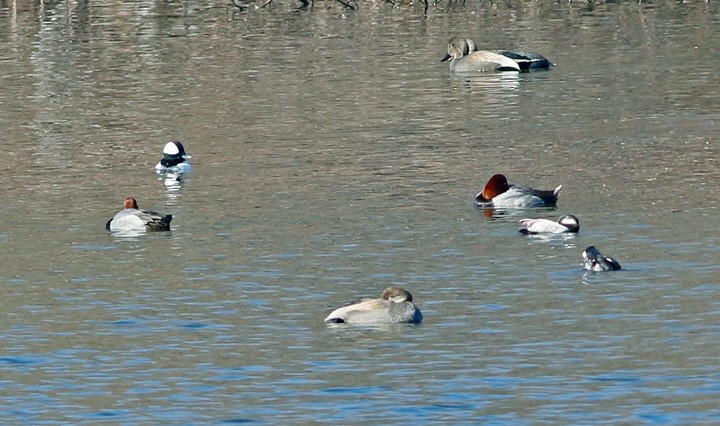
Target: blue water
334,156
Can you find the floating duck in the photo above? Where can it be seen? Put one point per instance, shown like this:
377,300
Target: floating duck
566,223
395,306
499,193
131,218
465,57
174,159
595,261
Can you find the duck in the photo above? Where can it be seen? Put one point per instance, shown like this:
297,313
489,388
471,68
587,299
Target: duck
395,306
464,57
174,159
467,58
565,223
499,193
595,261
131,218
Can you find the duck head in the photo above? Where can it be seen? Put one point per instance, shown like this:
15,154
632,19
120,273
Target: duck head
130,203
397,295
458,47
570,222
495,186
173,154
595,261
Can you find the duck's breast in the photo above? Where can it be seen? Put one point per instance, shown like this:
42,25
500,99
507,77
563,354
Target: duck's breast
405,312
183,167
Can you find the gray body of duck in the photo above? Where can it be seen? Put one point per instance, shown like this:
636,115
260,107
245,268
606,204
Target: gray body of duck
465,57
395,306
131,218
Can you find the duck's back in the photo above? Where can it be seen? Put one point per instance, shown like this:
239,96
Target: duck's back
517,196
138,220
126,220
376,311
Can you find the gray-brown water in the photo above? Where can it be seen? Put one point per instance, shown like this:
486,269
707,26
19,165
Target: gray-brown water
333,156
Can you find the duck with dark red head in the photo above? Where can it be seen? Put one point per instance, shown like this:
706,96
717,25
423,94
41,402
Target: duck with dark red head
499,193
131,218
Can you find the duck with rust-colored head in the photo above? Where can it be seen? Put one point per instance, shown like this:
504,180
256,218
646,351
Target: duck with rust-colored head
499,193
131,218
467,58
395,306
566,223
595,261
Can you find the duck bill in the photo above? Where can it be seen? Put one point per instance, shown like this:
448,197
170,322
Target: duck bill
591,256
446,57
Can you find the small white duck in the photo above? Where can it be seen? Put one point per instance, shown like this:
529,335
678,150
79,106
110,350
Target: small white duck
566,223
174,159
131,218
395,306
499,193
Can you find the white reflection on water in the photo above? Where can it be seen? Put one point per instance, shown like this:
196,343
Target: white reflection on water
174,183
497,87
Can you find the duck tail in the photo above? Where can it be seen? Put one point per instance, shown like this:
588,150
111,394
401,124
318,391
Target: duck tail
557,190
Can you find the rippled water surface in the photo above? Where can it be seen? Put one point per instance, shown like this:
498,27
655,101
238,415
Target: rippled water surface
334,156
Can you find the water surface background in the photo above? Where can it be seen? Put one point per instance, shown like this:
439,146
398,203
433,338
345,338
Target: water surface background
333,156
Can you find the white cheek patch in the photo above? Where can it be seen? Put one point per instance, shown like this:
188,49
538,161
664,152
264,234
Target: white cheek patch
171,149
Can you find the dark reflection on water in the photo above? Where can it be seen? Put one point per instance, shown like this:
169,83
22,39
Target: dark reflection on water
333,156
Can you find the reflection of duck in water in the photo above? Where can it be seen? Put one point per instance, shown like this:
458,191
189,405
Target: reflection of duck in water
465,57
595,261
499,193
566,223
131,218
395,306
174,159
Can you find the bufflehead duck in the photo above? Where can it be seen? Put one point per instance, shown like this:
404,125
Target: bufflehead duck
595,261
173,160
395,306
566,223
467,58
133,219
499,193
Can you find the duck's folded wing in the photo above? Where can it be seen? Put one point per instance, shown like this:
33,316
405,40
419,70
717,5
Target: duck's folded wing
485,60
528,60
518,196
355,312
155,221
